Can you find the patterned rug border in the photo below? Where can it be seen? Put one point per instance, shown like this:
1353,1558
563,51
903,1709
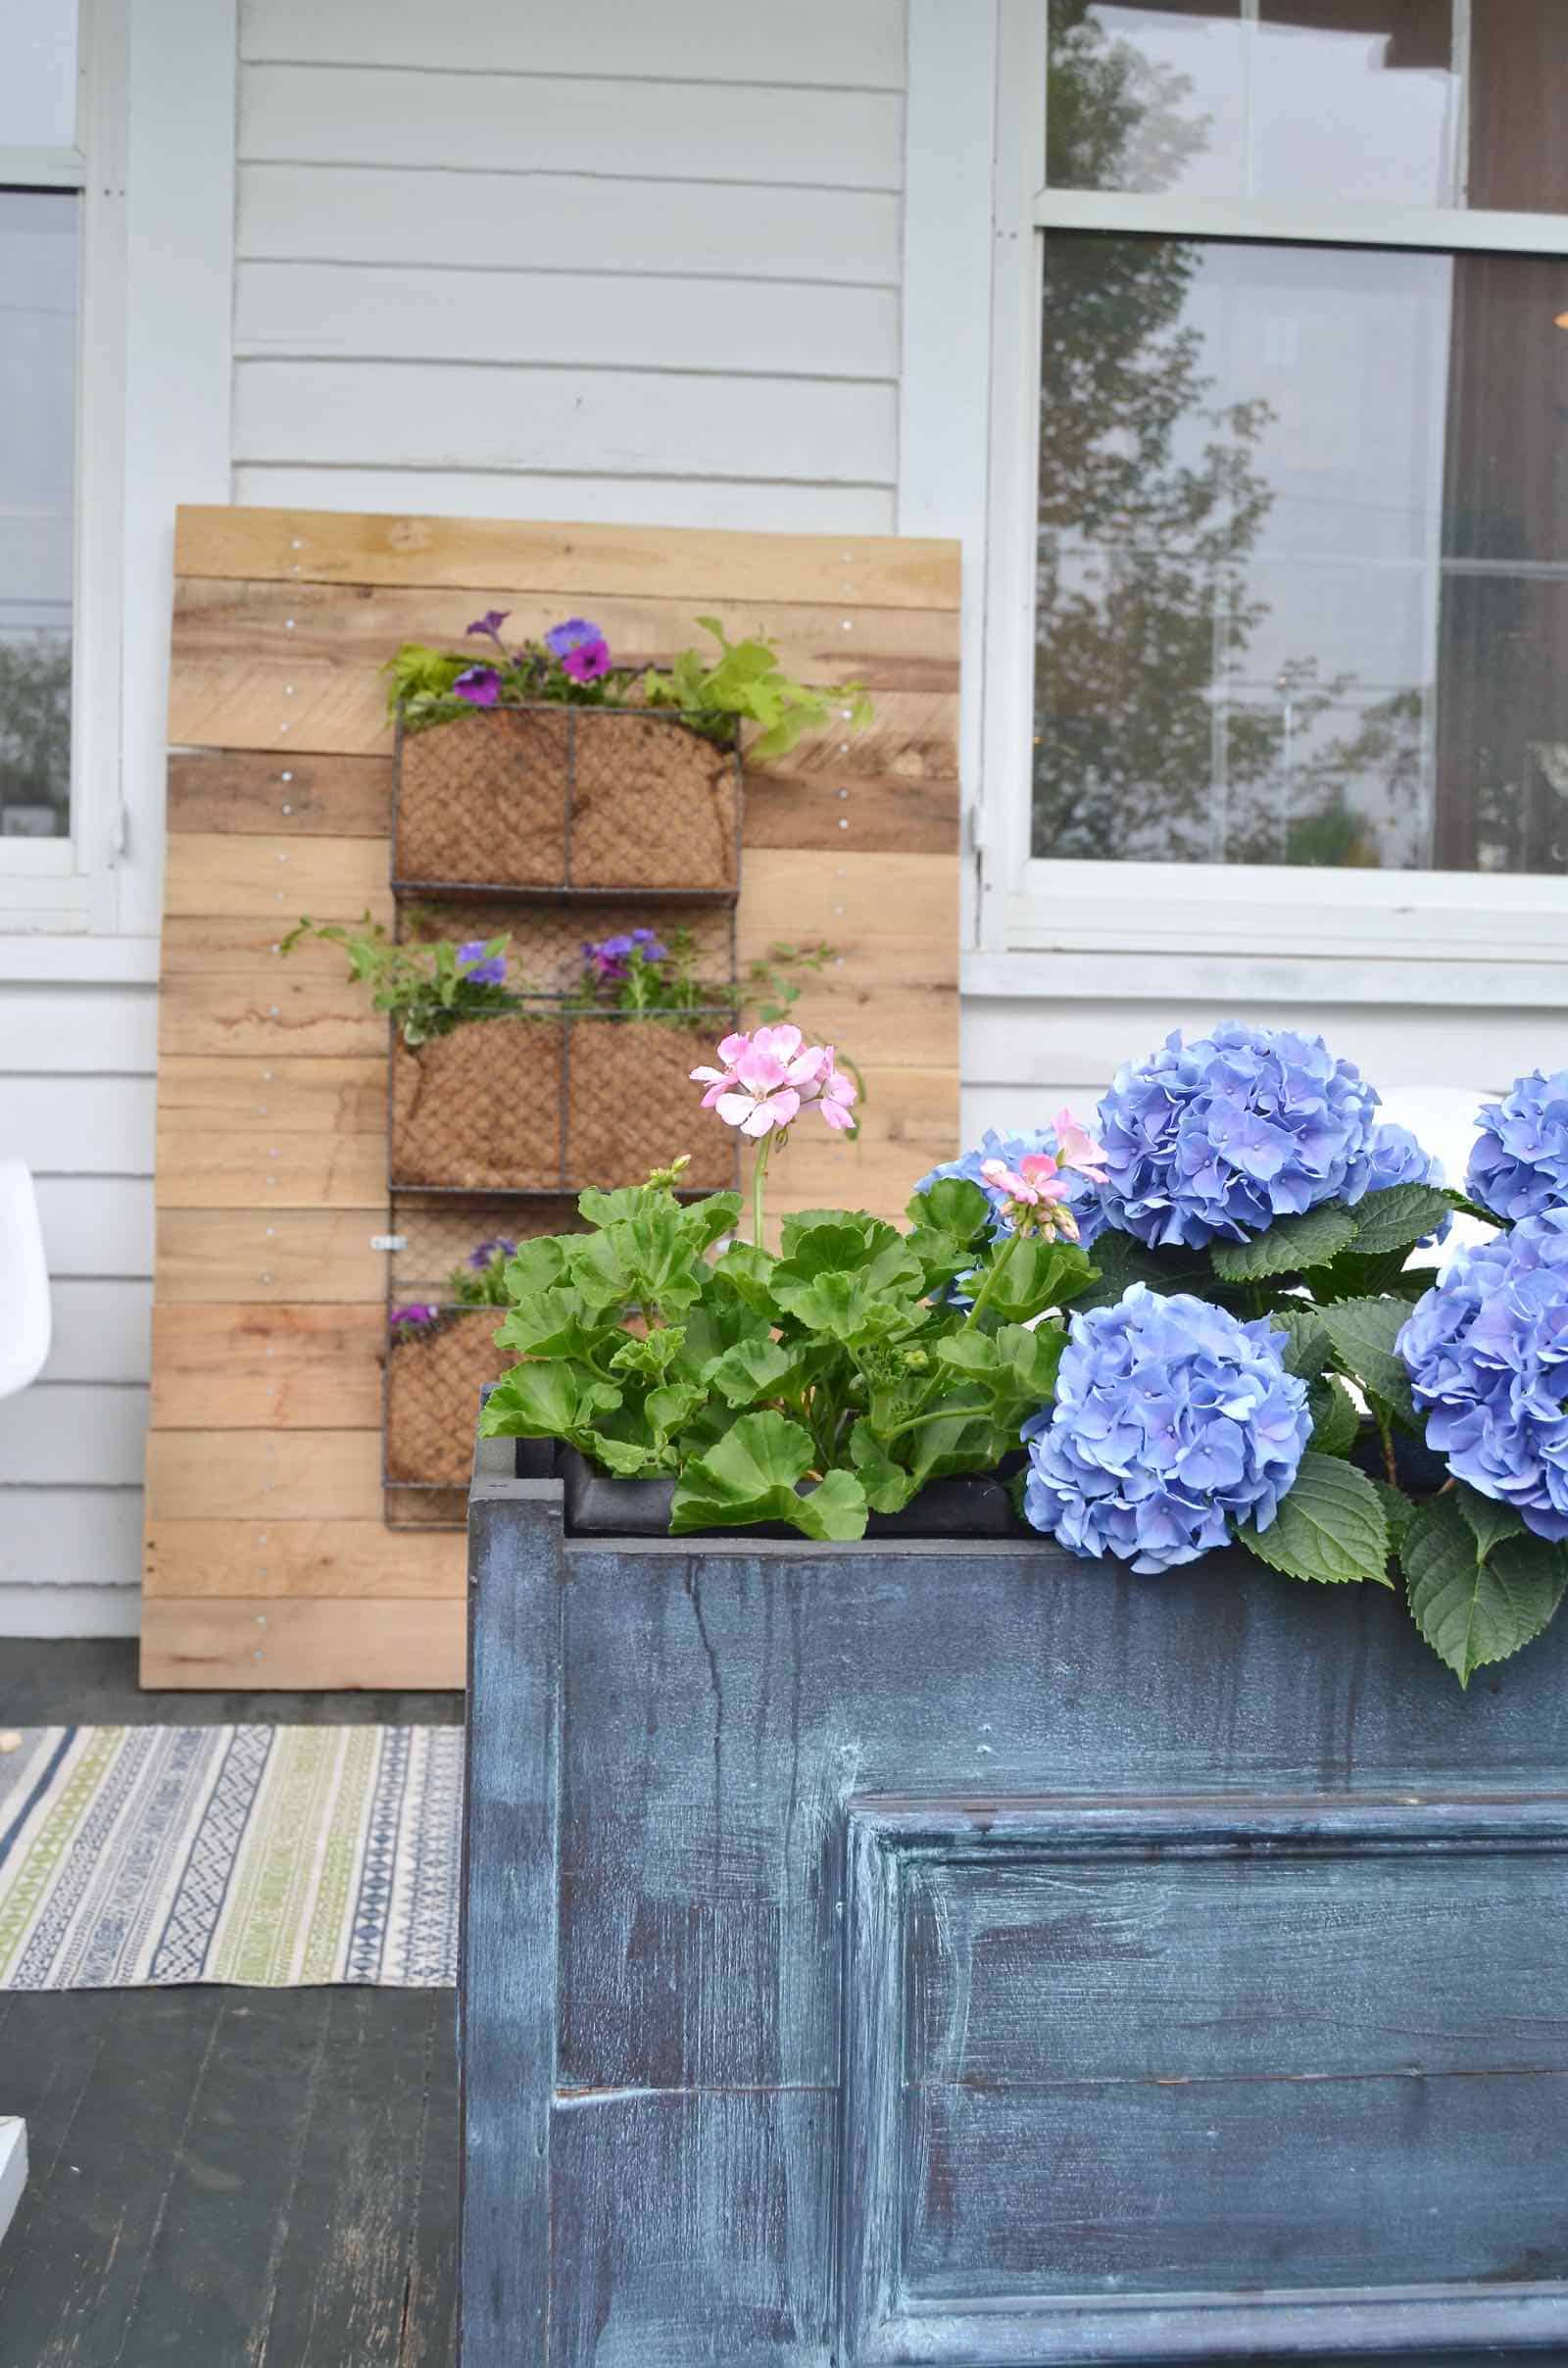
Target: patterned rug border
264,1856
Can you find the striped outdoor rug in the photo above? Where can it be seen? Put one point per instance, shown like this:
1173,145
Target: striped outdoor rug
278,1857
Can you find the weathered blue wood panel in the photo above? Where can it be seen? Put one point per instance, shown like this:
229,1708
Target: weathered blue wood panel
972,1955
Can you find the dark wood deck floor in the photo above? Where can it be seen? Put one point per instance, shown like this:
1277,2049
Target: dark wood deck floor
225,2178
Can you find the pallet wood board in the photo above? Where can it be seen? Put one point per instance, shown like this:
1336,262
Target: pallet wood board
267,1561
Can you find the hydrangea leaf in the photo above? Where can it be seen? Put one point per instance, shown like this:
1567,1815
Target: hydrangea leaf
1292,1245
1489,1523
1397,1217
1335,1417
558,1400
1473,1609
750,1475
1331,1527
1363,1332
1120,1259
1397,1512
1309,1345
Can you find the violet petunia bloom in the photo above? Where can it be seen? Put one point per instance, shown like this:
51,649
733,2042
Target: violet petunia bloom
419,1311
485,1254
576,633
481,969
588,662
480,685
490,622
609,959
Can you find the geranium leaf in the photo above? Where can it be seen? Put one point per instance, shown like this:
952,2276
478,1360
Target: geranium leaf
750,1475
558,1400
1330,1527
888,1486
1363,1332
1290,1244
952,1204
1397,1217
753,1370
1470,1609
747,1271
1038,1276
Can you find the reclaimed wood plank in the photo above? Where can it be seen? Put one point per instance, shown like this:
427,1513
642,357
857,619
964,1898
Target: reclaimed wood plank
361,1559
294,1133
312,796
856,812
250,944
206,1254
265,1011
286,1097
260,1642
309,1368
236,1475
306,546
216,872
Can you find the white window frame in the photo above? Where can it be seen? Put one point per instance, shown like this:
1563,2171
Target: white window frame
65,883
1028,912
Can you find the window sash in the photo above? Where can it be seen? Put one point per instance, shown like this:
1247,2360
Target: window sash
1043,905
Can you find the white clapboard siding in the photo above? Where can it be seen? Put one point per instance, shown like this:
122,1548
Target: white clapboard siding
69,1536
547,125
78,1124
97,1225
641,422
471,221
801,41
55,1030
365,312
64,1607
67,1433
102,1330
739,502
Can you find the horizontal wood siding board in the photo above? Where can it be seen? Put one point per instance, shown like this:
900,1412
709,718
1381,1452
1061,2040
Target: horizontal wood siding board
68,1433
296,1559
82,1030
298,1475
361,312
315,1368
877,815
760,504
218,872
102,1329
402,221
344,115
63,1537
282,1256
256,1642
97,1224
265,1011
580,559
812,41
82,1125
312,797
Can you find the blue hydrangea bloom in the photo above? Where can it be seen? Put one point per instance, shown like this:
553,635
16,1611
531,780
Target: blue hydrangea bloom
1083,1199
1218,1138
1396,1157
1520,1162
1487,1352
1173,1421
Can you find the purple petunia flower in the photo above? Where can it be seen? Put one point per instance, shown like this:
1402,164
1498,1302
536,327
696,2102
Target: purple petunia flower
481,969
576,633
609,959
418,1311
484,1253
490,622
587,663
480,685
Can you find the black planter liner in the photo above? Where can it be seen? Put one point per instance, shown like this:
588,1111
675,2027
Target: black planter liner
973,1505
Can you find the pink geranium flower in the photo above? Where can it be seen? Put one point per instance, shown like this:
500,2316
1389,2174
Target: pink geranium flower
836,1094
1077,1148
767,1077
1036,1193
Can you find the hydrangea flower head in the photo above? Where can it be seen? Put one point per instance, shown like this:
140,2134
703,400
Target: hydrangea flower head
481,969
479,685
1063,1143
1487,1352
1519,1165
769,1077
1217,1138
1172,1422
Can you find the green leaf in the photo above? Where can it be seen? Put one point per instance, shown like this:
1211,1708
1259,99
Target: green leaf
1038,1276
952,1204
1290,1245
560,1401
1473,1609
1397,1512
750,1475
753,1370
1363,1332
553,1323
1330,1528
705,1222
536,1266
1335,1417
848,1308
628,1459
1120,1260
1489,1523
747,1271
1309,1343
888,1485
1397,1217
878,1254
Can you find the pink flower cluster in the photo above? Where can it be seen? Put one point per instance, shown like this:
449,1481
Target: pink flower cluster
770,1076
1035,1191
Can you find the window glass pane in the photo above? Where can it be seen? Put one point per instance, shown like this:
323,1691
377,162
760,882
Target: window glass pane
38,87
37,405
1356,100
1145,97
1303,557
1519,105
